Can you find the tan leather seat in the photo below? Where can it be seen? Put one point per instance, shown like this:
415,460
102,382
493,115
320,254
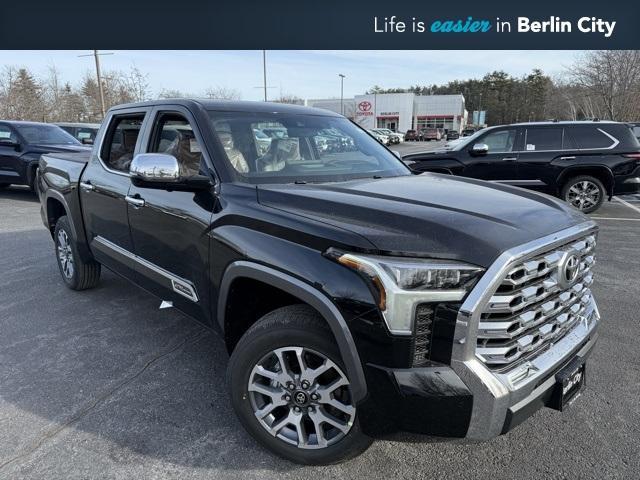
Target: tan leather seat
282,151
187,151
236,158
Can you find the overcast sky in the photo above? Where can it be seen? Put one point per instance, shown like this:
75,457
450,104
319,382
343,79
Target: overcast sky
307,74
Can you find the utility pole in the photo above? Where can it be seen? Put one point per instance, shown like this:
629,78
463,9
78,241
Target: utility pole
264,73
342,77
96,56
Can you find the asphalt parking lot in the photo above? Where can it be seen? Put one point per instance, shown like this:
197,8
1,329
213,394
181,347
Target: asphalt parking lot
103,384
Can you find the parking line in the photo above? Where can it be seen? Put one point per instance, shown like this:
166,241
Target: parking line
624,202
615,218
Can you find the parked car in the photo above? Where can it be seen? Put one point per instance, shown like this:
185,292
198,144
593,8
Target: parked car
354,298
383,139
394,138
580,162
22,143
429,134
411,135
452,135
84,132
467,132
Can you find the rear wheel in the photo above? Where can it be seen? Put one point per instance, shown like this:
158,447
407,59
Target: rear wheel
290,389
586,193
76,273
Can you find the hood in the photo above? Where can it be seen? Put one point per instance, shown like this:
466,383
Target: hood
58,148
433,215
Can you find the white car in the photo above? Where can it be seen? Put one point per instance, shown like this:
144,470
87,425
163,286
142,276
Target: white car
394,137
383,139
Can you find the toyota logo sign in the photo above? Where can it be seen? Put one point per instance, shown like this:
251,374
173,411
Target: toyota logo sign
364,106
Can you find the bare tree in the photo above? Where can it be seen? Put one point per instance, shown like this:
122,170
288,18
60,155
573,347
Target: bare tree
610,80
288,98
222,93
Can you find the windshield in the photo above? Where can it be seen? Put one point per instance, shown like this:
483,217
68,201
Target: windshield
300,148
45,135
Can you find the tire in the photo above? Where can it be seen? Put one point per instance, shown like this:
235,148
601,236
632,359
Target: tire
275,336
76,273
586,193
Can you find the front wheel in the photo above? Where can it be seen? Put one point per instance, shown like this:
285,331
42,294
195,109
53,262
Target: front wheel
586,193
76,273
290,390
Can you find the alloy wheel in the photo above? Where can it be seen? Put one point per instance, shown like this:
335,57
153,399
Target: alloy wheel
583,195
301,397
65,254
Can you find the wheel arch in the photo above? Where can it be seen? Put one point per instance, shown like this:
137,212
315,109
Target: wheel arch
305,294
601,172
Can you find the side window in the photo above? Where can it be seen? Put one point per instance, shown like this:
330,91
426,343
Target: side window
7,135
543,139
120,141
587,137
501,141
173,135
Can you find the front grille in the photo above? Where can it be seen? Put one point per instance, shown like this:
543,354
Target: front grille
530,310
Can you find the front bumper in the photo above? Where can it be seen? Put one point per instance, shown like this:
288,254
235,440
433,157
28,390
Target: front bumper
502,401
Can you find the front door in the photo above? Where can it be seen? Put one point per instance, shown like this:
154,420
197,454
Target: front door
104,187
500,162
170,228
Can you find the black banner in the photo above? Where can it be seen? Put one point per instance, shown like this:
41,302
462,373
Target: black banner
330,24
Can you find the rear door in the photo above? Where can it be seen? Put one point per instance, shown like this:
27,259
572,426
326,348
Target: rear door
170,228
500,162
9,156
542,145
104,187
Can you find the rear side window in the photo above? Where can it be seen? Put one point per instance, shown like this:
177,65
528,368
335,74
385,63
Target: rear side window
543,139
588,137
120,140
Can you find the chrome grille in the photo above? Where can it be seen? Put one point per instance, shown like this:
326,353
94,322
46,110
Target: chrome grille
531,309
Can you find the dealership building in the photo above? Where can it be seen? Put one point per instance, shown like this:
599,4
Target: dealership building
400,111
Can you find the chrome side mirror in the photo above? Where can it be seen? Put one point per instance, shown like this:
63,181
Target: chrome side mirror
155,168
480,149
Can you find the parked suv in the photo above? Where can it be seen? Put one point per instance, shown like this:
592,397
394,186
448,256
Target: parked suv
22,143
354,298
580,162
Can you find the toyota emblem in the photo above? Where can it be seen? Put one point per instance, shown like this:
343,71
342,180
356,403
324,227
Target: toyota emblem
568,270
364,106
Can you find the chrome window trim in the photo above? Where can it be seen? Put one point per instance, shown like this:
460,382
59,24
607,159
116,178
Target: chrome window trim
615,143
177,283
494,393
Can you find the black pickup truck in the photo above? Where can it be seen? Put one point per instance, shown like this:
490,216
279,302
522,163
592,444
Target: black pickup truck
355,298
580,162
22,143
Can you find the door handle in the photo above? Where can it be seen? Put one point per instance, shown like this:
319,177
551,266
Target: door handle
567,158
136,202
87,186
509,159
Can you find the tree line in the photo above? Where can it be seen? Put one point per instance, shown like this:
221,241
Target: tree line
599,84
25,96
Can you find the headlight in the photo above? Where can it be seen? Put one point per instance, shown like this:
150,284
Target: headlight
404,283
